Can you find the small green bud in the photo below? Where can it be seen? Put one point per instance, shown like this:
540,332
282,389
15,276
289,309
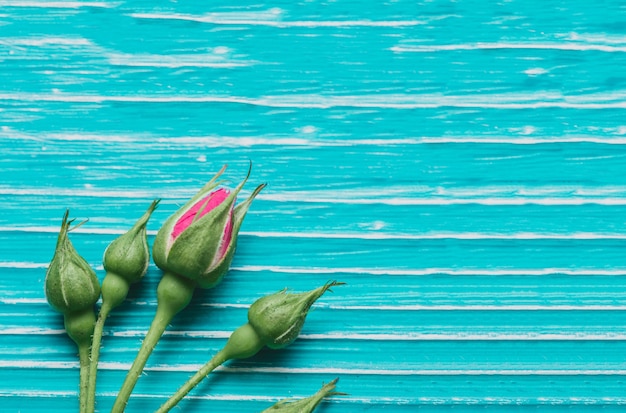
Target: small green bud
198,241
278,318
126,261
71,284
128,255
306,405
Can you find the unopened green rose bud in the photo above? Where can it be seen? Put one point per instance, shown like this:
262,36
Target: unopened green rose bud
278,318
126,260
306,405
198,241
71,284
72,288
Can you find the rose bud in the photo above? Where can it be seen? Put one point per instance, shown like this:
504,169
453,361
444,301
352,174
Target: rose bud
125,261
274,321
71,284
278,318
306,405
194,248
72,288
198,241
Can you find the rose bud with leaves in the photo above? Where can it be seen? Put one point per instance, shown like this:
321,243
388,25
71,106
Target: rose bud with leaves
274,321
125,261
194,248
198,241
72,289
306,405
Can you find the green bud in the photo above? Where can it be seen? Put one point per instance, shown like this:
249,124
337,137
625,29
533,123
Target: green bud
278,318
71,284
198,241
306,405
128,255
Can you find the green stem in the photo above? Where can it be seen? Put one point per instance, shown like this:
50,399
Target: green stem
242,343
79,326
114,291
204,371
95,356
155,332
173,294
83,356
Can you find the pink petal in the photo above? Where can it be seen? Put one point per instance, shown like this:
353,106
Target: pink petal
199,209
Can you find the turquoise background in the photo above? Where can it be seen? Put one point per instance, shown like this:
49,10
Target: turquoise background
460,165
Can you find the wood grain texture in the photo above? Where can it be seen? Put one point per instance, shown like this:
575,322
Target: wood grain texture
460,165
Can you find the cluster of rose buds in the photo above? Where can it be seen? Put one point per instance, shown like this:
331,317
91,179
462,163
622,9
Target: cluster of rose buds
194,248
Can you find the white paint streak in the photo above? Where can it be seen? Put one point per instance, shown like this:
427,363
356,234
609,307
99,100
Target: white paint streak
440,235
519,200
431,271
176,61
326,370
614,137
538,100
384,196
272,18
24,265
57,4
45,41
561,46
357,235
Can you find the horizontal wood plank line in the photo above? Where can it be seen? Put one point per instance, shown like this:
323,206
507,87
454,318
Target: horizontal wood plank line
380,271
56,4
271,18
431,271
348,400
149,141
614,100
63,365
570,46
460,336
355,235
399,307
318,198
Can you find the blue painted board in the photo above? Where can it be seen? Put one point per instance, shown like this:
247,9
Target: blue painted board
459,164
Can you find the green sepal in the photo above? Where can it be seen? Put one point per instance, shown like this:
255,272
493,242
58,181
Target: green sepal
215,275
307,404
71,284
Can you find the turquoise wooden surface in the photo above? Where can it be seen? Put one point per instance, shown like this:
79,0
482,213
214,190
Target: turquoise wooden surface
460,165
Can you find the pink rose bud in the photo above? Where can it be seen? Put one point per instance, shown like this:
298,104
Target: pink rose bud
198,241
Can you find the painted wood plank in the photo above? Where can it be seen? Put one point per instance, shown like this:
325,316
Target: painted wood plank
459,164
